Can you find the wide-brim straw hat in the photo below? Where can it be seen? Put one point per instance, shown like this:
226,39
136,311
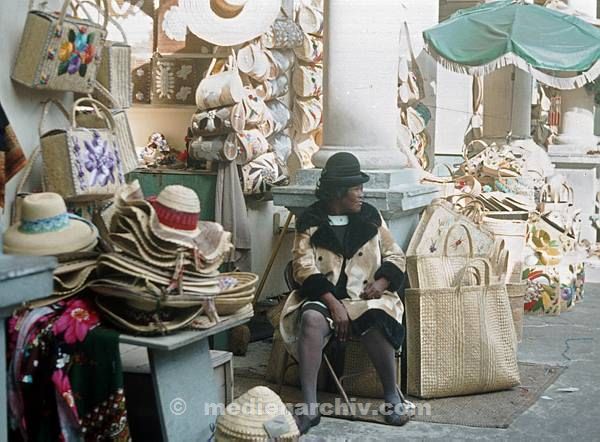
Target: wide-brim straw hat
111,264
229,22
244,418
164,321
46,228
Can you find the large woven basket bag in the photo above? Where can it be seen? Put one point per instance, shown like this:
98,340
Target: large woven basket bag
461,340
59,52
82,163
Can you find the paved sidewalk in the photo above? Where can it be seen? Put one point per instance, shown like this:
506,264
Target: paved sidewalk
571,339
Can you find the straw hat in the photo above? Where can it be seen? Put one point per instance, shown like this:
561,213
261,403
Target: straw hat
177,208
46,228
229,22
245,418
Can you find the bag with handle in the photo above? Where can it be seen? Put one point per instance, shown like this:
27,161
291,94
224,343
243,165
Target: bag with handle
221,89
125,143
461,339
410,80
81,163
114,72
264,172
60,52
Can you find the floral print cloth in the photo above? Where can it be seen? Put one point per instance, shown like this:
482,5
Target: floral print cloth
64,379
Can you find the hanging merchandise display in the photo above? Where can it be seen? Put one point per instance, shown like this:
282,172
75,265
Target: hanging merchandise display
175,78
79,162
220,89
228,22
60,52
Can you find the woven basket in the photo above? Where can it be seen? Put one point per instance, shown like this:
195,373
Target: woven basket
244,418
512,228
516,296
227,307
245,281
461,340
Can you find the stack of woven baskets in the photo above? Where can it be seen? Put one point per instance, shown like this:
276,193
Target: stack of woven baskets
238,292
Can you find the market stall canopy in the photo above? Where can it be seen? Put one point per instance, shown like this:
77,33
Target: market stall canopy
541,41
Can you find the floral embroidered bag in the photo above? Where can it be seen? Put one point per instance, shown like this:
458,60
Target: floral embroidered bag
81,163
60,52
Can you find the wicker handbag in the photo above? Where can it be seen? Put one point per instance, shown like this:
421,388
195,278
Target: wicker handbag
438,271
114,72
81,163
259,175
125,142
308,81
461,339
60,52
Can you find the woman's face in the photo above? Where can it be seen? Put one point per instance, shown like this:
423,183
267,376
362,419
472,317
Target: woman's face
353,200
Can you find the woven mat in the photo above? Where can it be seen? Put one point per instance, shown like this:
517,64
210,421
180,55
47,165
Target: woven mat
492,410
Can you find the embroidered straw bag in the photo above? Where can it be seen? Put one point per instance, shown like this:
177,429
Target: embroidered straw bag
410,80
259,175
59,52
250,145
220,148
114,72
308,81
271,89
80,163
221,89
122,128
307,115
219,121
461,339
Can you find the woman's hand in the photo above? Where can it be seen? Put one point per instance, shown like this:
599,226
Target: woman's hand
339,314
374,290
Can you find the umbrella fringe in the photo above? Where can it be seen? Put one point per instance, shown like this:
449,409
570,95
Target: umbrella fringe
511,58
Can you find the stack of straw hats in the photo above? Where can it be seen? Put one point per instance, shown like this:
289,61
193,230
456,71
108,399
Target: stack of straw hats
165,270
257,415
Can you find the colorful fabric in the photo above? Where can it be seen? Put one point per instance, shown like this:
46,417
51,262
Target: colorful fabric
65,378
12,158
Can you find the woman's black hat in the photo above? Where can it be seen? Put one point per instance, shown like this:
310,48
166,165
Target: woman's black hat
342,169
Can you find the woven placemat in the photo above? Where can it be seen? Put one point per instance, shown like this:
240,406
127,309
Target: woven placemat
491,410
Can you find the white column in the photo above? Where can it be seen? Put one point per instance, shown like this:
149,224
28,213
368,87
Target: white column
360,82
577,120
507,103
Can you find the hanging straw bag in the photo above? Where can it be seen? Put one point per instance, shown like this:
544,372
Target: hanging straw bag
271,89
81,163
219,121
220,148
307,115
310,19
283,34
60,52
259,175
122,128
311,50
461,339
410,80
221,89
251,144
114,72
308,81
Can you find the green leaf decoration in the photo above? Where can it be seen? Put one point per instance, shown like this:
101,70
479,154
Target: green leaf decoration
90,38
62,68
71,35
82,69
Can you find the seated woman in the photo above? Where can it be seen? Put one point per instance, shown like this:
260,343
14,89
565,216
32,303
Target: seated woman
348,267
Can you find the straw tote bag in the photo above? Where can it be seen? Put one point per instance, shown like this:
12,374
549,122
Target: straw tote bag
428,272
122,128
461,339
114,72
222,89
80,163
220,148
308,81
59,52
410,80
259,175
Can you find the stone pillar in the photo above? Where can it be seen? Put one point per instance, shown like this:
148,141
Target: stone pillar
360,79
577,119
360,112
507,103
